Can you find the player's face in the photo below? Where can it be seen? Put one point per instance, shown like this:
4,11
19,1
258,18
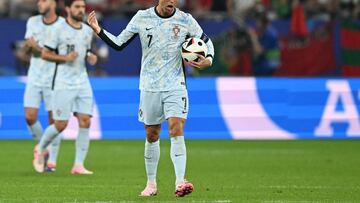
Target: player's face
167,6
44,6
77,10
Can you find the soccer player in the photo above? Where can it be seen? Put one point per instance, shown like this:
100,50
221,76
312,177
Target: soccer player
162,30
40,74
69,45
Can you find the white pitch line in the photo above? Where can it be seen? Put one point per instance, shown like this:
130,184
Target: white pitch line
307,187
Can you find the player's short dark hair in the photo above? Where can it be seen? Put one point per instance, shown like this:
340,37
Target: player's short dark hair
68,3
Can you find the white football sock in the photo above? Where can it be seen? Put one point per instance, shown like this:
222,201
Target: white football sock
54,149
49,135
82,145
36,130
152,156
178,157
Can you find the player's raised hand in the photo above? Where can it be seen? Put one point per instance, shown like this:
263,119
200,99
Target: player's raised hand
202,63
71,56
91,58
93,22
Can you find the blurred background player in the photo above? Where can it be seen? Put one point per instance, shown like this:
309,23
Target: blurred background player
72,90
41,73
162,30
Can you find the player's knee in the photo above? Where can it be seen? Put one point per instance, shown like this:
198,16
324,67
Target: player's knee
30,118
176,129
152,138
84,122
60,125
152,135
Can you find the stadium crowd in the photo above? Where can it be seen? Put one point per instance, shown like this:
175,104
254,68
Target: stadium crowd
248,49
324,9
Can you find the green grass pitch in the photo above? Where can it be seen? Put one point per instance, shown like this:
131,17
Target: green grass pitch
221,171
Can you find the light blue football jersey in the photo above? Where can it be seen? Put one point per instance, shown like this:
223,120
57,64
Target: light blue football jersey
161,38
41,72
65,39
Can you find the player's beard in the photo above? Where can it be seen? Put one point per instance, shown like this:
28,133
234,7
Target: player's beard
79,17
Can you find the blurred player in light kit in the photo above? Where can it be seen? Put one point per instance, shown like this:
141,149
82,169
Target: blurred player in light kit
41,74
72,90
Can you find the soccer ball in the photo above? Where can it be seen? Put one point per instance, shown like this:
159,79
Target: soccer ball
192,47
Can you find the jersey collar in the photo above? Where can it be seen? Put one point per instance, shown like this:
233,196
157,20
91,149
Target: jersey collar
57,17
164,16
76,28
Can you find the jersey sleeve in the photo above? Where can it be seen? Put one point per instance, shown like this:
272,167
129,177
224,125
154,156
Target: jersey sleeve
196,31
125,37
88,48
52,40
91,37
29,32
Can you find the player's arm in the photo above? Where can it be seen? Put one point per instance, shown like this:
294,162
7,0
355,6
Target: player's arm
121,41
91,57
50,55
50,46
33,46
197,31
30,43
210,46
205,62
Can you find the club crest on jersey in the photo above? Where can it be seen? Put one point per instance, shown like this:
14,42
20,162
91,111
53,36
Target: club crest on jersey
176,31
